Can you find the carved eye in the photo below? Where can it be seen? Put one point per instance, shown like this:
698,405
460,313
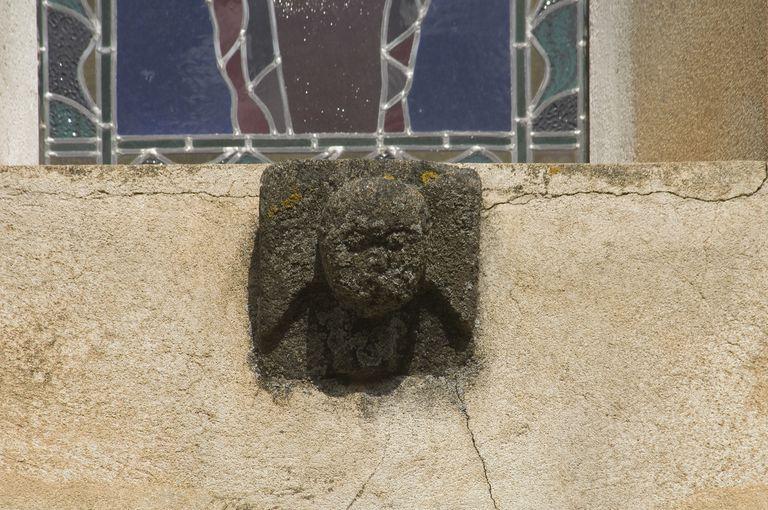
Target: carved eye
356,243
396,241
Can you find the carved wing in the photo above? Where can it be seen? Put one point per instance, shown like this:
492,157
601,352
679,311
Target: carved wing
291,198
454,196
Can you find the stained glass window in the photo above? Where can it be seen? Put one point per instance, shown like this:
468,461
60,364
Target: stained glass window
244,81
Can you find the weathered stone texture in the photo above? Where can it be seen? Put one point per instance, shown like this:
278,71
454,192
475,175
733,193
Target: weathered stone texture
622,341
365,269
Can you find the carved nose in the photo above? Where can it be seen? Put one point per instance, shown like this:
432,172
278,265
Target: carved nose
377,259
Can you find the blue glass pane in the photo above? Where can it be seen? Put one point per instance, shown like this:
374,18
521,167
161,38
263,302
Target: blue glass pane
462,76
557,34
167,78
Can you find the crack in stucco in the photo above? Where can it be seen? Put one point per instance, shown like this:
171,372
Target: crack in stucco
515,200
465,413
361,491
527,198
101,194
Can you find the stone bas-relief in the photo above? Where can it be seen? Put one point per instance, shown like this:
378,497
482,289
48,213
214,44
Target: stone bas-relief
365,269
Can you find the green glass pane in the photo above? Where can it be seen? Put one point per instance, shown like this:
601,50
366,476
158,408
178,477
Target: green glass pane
248,159
477,157
66,122
557,34
75,5
547,5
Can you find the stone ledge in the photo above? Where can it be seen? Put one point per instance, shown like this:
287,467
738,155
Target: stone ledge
709,181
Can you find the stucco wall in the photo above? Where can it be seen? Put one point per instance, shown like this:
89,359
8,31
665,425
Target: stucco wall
699,79
677,81
621,348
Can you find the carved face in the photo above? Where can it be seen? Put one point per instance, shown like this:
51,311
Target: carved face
372,244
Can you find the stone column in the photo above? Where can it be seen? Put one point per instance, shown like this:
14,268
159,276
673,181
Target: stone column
18,83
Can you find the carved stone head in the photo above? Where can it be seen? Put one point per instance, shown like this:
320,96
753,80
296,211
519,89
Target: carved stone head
371,238
366,269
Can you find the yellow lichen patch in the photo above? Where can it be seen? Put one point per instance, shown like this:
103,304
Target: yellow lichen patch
389,177
289,203
554,170
292,200
429,176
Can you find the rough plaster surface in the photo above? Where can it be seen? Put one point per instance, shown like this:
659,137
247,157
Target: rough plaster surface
621,342
18,83
698,79
678,81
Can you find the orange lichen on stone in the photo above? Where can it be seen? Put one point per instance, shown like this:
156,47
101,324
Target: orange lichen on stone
292,200
288,203
554,170
389,177
429,176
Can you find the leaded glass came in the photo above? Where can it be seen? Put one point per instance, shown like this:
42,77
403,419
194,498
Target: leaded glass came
243,81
